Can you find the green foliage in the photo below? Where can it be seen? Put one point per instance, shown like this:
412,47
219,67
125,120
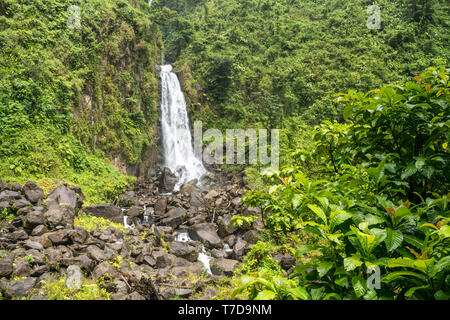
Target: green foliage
56,289
6,215
90,223
350,192
68,94
265,61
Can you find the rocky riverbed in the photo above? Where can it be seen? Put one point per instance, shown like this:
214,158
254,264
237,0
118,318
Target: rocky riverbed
164,255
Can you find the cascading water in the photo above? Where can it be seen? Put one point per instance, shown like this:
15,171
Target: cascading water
176,135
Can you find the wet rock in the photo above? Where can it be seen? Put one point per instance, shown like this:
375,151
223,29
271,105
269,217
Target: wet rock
149,260
33,192
6,267
207,234
208,293
188,188
223,266
20,288
105,268
128,199
160,206
135,212
183,250
64,195
174,217
74,277
16,187
135,296
236,202
167,181
107,211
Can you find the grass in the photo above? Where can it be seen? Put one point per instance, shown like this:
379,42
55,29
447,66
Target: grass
56,289
90,223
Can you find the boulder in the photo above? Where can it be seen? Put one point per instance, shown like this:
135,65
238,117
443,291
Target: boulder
167,181
6,267
59,237
221,267
251,236
33,192
61,216
162,259
96,253
107,211
196,200
34,245
33,219
128,199
211,195
240,247
66,196
183,250
134,212
207,234
74,277
174,217
8,195
225,226
161,206
20,288
78,235
105,268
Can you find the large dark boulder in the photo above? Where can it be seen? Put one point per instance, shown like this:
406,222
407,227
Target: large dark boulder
174,218
161,206
33,192
61,216
65,196
6,267
207,234
8,196
20,288
107,211
167,181
220,267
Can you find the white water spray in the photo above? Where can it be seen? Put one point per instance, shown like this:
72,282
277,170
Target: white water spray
176,135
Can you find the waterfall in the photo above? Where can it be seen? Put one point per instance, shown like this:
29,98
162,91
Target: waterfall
176,134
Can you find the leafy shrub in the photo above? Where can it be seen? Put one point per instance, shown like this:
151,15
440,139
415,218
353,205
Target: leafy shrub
350,192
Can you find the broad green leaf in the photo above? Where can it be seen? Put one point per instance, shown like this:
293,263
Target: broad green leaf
324,267
348,111
409,171
266,295
319,212
441,295
394,239
396,275
317,293
359,286
299,293
411,291
338,217
353,262
329,296
444,232
342,282
441,265
306,248
414,241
